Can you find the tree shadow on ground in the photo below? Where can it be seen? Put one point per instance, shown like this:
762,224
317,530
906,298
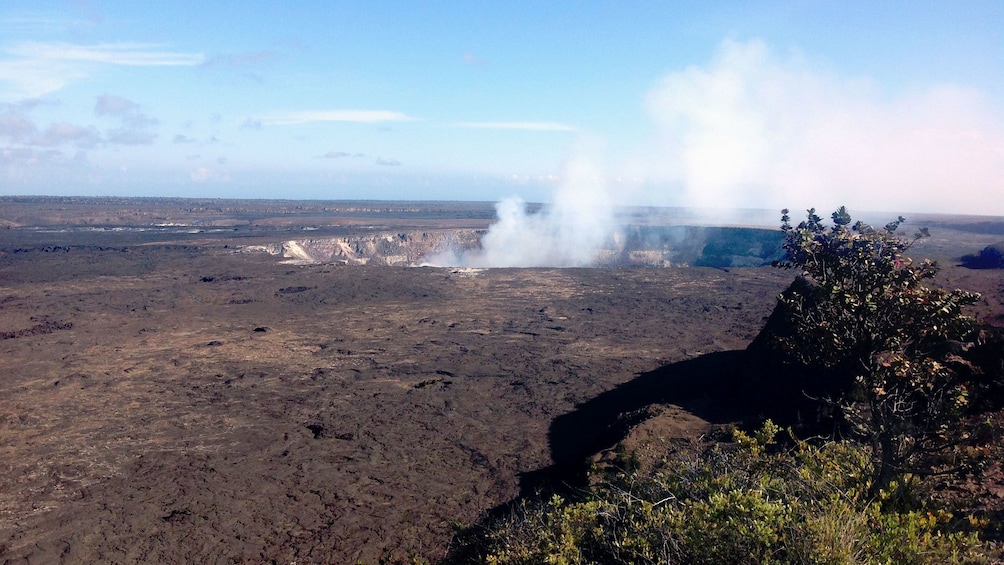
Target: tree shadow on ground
703,386
742,387
728,387
698,385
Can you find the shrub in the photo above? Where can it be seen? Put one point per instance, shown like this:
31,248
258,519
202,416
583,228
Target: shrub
745,502
865,311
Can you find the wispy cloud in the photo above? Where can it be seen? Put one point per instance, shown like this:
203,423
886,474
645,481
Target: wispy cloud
128,54
209,175
25,158
239,60
46,23
131,136
528,126
18,128
387,162
239,65
135,127
22,79
33,68
57,134
358,116
113,105
341,155
139,121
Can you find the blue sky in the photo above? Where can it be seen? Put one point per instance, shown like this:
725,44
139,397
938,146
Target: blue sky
881,106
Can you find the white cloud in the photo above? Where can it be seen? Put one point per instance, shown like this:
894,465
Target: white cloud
21,79
201,175
359,116
529,126
39,68
16,125
128,54
135,127
752,129
46,23
341,155
57,134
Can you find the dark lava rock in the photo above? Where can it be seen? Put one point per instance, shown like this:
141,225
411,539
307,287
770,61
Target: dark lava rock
316,429
293,289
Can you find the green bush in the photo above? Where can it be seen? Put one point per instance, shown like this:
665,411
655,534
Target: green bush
865,310
745,502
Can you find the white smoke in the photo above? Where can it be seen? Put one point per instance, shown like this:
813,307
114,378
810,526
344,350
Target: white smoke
752,129
566,233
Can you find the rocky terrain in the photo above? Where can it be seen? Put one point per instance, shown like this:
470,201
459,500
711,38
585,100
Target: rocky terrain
172,396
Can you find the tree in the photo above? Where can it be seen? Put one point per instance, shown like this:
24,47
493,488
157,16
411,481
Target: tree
863,311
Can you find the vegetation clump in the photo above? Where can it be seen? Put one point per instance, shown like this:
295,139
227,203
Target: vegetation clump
747,501
866,312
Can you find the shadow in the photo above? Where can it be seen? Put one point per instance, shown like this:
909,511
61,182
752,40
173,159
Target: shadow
991,257
741,387
703,386
697,385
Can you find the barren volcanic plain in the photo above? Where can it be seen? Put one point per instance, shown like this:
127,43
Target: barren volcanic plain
179,383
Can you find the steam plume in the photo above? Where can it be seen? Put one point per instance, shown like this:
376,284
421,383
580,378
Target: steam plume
752,129
567,233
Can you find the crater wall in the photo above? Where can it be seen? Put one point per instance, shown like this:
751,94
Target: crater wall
630,246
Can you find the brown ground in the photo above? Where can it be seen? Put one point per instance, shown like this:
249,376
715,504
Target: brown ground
165,399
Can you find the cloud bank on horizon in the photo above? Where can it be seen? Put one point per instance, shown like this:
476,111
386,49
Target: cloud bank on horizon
907,117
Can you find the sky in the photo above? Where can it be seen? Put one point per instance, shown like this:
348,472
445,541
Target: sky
883,106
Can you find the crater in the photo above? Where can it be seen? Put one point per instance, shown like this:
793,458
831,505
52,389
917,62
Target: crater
628,246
